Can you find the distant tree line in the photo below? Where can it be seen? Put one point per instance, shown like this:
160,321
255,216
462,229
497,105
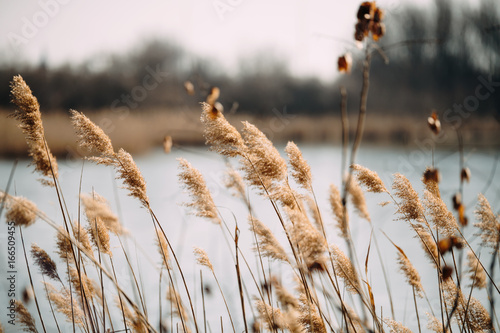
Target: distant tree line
436,56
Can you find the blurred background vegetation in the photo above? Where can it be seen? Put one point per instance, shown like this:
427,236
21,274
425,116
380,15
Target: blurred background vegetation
435,57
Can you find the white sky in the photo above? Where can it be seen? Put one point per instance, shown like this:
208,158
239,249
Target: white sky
78,29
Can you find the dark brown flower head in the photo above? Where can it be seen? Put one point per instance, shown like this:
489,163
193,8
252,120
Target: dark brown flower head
369,20
457,200
447,271
344,63
434,123
465,175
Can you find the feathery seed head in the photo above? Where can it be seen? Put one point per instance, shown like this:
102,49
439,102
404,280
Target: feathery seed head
24,317
91,136
268,244
345,269
439,214
369,179
21,211
301,171
338,211
476,271
132,177
202,258
358,199
410,206
97,206
45,264
411,273
488,224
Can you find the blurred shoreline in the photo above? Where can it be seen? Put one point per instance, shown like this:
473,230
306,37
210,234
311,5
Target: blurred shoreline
145,130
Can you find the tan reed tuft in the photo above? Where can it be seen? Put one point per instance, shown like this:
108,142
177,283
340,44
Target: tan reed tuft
175,299
221,136
411,273
162,244
65,304
476,272
24,317
301,171
83,286
358,199
30,119
286,298
99,235
310,242
369,179
428,243
202,258
82,236
64,246
396,327
439,214
45,264
269,246
134,321
430,179
131,176
434,324
273,317
97,207
309,316
195,184
345,269
283,194
488,224
91,136
21,211
338,211
262,164
234,182
410,206
313,211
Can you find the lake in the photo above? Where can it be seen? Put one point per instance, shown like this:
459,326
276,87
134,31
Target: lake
185,231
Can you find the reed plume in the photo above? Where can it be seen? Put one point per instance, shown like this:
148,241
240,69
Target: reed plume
221,136
30,122
97,207
83,286
411,273
430,179
301,171
476,271
195,184
309,316
369,179
202,258
134,321
358,199
131,176
174,298
162,244
428,243
314,211
396,327
24,317
338,211
234,182
345,269
440,216
82,236
65,304
434,324
64,246
45,264
285,298
273,317
268,244
21,211
410,206
91,136
99,235
488,224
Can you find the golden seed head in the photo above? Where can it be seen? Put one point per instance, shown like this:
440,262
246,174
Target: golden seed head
301,171
21,211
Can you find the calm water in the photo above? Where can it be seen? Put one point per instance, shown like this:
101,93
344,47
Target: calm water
186,231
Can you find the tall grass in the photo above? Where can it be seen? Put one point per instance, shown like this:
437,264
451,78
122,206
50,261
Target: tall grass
331,289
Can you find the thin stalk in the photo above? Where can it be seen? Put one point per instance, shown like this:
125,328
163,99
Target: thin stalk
236,236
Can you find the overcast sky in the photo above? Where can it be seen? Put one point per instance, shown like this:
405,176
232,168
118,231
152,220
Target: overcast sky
225,30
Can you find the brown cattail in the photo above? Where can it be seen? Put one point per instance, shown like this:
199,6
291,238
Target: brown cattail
202,258
301,171
434,123
24,317
21,211
45,264
195,184
369,179
488,224
410,206
221,136
269,246
476,271
30,122
344,63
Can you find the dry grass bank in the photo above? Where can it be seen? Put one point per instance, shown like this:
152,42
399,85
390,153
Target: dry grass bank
141,131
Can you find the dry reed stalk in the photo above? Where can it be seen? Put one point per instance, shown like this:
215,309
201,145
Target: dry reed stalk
488,224
30,119
440,216
476,271
45,264
174,298
65,304
194,182
370,179
134,322
410,206
162,244
301,171
21,211
396,327
82,236
338,211
345,269
221,136
83,286
268,244
428,243
97,207
358,199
